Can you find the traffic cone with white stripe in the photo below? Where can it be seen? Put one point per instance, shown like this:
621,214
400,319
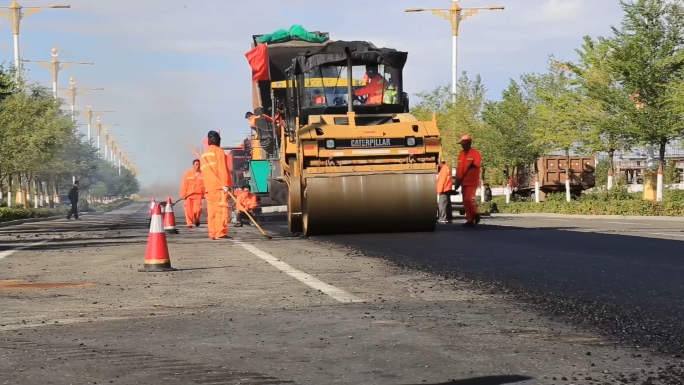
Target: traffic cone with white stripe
157,253
169,218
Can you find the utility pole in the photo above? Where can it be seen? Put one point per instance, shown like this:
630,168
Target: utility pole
455,15
102,128
89,116
72,91
55,66
15,15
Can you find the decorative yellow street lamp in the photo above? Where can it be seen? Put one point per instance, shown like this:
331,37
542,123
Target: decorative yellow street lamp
454,15
15,15
55,66
89,116
72,91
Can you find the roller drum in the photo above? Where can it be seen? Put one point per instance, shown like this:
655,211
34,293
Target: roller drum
370,203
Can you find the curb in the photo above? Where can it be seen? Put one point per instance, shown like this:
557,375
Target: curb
29,220
589,217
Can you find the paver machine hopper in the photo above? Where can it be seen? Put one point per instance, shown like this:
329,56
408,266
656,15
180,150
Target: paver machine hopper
352,157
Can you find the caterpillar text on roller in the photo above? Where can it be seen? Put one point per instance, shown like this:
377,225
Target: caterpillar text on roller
351,158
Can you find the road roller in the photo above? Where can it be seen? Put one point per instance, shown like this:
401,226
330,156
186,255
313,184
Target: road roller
352,158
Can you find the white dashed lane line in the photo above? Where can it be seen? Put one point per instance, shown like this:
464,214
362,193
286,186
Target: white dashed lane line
7,253
309,280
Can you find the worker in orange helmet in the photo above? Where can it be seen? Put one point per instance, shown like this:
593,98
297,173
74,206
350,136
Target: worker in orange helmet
192,192
444,188
375,86
468,177
217,182
245,203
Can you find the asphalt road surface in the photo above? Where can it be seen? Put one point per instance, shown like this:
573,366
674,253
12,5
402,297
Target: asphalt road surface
616,274
74,309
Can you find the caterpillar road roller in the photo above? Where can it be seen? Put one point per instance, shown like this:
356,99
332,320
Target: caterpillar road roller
352,158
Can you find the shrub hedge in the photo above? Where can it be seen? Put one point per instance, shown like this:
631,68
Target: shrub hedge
16,213
613,202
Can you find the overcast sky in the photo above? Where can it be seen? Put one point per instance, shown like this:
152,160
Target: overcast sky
173,71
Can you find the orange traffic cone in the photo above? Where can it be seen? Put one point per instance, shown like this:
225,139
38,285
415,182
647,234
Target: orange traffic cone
169,218
157,254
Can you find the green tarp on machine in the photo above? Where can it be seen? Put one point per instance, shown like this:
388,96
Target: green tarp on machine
296,31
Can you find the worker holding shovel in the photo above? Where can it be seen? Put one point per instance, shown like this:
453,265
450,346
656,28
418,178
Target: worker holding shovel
192,191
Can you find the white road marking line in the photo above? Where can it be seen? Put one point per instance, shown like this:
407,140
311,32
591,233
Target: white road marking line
555,219
338,294
630,223
669,234
7,253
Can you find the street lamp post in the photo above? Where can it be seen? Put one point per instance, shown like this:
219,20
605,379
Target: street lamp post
89,115
113,147
73,91
120,156
100,128
454,15
55,66
15,15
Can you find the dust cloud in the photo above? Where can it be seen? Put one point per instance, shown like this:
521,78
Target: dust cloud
160,191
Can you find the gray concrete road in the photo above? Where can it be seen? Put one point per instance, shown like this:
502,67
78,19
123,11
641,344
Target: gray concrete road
75,310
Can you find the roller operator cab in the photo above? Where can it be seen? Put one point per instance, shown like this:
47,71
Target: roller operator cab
352,156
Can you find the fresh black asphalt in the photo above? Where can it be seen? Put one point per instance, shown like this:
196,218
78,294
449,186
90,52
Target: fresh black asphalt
626,286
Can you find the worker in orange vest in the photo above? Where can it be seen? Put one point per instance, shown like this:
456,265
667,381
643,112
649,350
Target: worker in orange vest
245,203
444,188
374,88
217,182
317,99
192,192
468,177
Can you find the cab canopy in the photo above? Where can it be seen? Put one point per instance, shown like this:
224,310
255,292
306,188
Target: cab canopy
334,53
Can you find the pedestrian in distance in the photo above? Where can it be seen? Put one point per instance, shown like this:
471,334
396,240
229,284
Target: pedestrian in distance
73,199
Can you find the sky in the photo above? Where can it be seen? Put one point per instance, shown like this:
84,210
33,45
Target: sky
175,69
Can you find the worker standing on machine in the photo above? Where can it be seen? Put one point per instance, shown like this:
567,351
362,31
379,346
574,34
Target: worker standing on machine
217,182
468,177
374,88
444,189
245,203
192,192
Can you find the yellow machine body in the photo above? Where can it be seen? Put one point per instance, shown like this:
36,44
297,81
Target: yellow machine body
355,189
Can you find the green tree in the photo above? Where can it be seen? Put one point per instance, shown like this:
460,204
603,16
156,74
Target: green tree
606,100
455,118
511,129
647,58
559,116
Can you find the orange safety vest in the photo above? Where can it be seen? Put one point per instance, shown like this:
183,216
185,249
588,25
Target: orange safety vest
246,202
444,182
472,178
192,185
214,166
